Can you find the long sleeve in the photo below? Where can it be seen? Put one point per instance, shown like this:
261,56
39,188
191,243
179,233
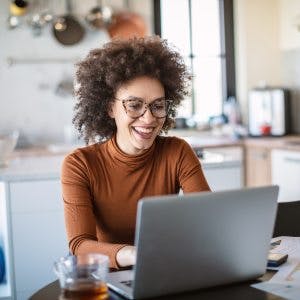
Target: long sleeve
189,170
102,186
80,219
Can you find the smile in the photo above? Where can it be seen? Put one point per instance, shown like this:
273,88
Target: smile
143,129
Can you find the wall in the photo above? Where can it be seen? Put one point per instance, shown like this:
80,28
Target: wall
256,46
30,98
268,49
290,54
289,12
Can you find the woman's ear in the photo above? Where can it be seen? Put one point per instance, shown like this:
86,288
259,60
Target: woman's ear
110,110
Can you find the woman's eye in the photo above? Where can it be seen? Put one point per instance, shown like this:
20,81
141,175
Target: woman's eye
135,105
159,106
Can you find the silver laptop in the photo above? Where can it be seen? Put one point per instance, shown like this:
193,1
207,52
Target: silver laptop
199,240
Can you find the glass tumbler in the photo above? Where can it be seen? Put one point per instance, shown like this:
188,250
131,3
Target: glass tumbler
82,276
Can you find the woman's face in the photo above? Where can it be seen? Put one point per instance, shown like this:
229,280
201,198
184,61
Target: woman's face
134,135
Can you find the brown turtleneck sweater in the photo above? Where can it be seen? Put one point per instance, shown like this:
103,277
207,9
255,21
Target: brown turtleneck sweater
102,185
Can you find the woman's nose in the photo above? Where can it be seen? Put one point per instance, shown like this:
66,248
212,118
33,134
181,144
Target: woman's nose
148,116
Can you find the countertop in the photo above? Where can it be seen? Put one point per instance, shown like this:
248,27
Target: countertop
194,138
32,168
289,142
207,140
45,162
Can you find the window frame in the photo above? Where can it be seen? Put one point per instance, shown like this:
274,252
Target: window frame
227,45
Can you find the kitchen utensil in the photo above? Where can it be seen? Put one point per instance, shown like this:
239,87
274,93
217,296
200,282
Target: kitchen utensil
13,22
67,29
100,16
127,24
65,87
8,141
269,111
40,17
36,23
18,7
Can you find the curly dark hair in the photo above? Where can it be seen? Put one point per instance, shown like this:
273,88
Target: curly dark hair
101,73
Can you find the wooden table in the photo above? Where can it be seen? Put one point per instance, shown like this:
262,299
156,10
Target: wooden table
233,292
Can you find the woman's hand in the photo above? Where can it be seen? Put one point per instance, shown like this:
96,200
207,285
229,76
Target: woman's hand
126,256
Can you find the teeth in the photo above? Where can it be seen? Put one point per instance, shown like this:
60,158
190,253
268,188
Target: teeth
143,129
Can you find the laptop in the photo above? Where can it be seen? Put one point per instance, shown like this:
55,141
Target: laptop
198,240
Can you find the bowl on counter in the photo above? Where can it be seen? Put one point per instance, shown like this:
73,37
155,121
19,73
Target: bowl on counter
8,141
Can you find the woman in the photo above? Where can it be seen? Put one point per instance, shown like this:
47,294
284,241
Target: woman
127,92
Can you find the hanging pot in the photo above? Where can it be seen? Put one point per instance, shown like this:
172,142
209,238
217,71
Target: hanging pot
66,29
126,25
99,17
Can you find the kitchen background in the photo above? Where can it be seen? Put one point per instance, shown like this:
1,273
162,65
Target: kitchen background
36,71
267,46
36,78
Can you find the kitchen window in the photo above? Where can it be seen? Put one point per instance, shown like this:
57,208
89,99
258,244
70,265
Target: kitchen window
202,31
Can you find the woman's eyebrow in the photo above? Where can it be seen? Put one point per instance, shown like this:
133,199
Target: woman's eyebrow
160,98
134,98
139,98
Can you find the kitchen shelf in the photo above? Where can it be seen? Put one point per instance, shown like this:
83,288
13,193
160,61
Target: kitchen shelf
44,60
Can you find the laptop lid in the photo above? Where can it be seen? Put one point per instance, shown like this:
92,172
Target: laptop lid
201,240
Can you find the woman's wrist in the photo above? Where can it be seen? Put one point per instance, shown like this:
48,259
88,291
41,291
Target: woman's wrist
126,256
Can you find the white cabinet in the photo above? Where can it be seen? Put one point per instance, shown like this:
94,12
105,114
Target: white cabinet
38,233
224,177
223,168
286,173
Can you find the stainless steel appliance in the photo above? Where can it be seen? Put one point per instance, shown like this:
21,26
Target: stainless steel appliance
269,112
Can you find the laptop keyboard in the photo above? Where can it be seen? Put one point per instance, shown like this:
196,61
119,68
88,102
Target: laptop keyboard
127,282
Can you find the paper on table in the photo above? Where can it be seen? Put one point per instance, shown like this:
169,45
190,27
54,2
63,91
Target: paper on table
286,282
289,272
288,244
285,291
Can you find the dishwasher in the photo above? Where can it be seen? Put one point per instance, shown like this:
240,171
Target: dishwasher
286,174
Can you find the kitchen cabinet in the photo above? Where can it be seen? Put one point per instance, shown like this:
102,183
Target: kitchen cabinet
224,178
38,234
286,173
223,168
258,157
35,213
257,166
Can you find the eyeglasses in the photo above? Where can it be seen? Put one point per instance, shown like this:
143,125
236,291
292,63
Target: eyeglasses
136,107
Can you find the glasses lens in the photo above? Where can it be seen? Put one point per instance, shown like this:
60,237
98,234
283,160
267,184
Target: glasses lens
137,107
159,108
134,107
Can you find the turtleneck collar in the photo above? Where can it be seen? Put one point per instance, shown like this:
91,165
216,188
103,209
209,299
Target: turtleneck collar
131,161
